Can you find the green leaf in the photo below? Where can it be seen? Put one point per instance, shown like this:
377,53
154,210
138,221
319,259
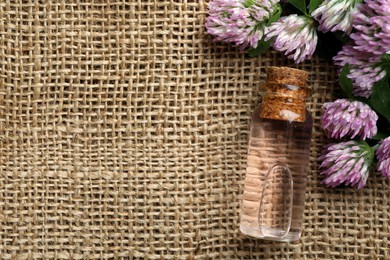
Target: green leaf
299,4
345,82
386,57
262,47
276,15
380,98
385,62
249,3
341,36
379,136
314,4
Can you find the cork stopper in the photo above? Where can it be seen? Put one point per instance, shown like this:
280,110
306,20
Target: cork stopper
286,75
286,90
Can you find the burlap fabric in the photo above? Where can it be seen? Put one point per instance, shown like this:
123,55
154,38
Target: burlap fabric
123,133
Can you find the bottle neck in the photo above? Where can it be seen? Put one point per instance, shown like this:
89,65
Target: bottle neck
284,102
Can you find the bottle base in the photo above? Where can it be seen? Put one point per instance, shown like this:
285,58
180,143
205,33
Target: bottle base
270,233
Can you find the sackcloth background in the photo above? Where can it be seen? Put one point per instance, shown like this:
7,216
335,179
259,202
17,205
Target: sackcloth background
123,134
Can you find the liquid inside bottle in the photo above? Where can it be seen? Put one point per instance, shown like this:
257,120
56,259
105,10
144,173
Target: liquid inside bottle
275,182
277,167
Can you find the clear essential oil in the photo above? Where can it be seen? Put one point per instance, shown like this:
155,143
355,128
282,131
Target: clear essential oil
278,159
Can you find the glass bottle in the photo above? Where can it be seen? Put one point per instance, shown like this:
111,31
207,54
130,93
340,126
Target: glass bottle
278,158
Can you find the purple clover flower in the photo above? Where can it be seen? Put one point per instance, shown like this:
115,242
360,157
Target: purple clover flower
345,118
383,156
371,41
363,71
295,35
373,28
335,15
240,22
346,163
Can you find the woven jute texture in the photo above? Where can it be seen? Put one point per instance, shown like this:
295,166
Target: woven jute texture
123,133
